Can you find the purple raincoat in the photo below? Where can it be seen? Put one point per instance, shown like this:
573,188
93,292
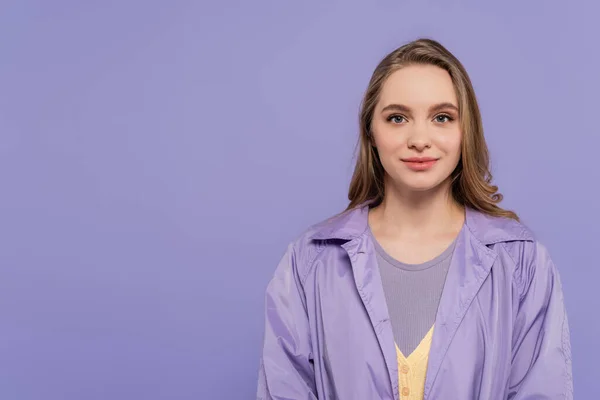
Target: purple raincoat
501,326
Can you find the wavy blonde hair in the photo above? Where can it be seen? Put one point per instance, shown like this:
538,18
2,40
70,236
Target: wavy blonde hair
471,180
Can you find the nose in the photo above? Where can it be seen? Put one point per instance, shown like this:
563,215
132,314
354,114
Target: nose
419,138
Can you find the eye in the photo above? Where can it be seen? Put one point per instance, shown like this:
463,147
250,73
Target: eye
396,119
442,118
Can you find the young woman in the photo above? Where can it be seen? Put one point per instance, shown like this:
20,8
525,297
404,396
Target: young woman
423,288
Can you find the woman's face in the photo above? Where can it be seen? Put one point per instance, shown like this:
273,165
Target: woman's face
416,129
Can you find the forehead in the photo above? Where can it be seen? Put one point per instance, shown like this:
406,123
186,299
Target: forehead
418,86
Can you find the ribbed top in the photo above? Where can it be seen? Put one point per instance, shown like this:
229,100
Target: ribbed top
412,293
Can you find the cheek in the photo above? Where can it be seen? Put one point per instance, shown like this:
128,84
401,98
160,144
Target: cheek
388,144
451,144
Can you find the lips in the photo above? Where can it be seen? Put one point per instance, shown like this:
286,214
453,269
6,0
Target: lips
419,159
419,163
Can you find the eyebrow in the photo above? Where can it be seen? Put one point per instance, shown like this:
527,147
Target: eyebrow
407,110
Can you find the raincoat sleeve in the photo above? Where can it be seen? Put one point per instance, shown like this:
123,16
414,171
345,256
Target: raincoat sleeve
286,367
541,360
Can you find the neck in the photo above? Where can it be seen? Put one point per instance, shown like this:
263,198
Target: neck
416,214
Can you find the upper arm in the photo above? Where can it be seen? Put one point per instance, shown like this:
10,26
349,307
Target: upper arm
541,361
286,370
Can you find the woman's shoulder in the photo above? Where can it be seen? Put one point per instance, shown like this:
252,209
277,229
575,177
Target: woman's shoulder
313,239
528,256
314,233
492,229
345,225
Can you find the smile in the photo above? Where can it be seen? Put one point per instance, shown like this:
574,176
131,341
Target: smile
419,163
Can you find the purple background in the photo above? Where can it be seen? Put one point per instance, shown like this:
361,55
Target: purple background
157,157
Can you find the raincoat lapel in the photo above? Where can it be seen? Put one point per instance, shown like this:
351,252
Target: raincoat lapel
470,265
368,283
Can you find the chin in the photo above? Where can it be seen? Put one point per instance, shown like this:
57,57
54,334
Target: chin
420,188
423,184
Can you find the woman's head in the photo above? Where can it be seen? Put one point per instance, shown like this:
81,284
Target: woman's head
421,130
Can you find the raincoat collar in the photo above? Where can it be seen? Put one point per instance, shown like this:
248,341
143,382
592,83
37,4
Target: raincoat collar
488,230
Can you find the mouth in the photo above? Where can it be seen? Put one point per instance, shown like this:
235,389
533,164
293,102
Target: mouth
419,163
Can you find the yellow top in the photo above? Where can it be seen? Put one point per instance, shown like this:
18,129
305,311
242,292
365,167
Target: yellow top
412,369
